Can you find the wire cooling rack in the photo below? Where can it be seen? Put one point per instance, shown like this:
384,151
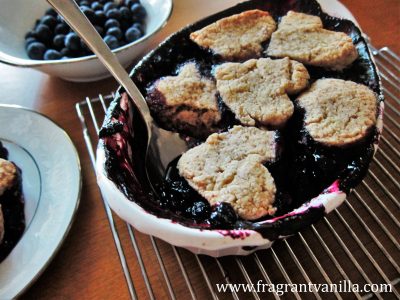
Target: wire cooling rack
358,243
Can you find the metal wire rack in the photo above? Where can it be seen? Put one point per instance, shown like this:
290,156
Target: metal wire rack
358,243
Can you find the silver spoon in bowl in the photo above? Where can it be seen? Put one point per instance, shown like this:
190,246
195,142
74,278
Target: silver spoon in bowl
162,146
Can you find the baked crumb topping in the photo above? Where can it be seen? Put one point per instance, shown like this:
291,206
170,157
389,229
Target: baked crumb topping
8,173
256,90
338,112
228,167
303,38
238,36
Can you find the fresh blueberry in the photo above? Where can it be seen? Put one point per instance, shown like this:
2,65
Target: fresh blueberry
66,52
84,3
43,33
115,31
132,34
60,19
139,27
99,29
52,54
51,12
89,13
223,215
36,50
50,21
30,34
29,41
109,5
61,29
125,13
111,41
72,41
138,11
129,3
64,57
113,14
59,41
100,17
97,6
111,23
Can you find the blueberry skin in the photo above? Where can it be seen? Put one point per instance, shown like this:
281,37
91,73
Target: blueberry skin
125,12
43,33
115,31
30,34
51,12
72,41
129,3
113,14
50,21
138,11
223,215
89,13
109,5
61,29
111,23
60,20
99,29
52,54
111,41
97,6
59,41
29,41
36,50
139,27
84,3
65,52
132,34
100,18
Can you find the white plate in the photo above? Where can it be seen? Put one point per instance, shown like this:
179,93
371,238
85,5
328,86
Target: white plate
51,177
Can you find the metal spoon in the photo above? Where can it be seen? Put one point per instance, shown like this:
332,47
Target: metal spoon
162,145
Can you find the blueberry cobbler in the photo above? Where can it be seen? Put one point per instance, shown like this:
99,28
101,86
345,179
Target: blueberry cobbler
276,106
12,218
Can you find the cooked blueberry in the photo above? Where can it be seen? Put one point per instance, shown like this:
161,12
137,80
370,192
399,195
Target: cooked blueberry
51,12
43,33
138,11
111,23
36,50
113,14
52,54
132,34
115,31
97,6
100,17
99,29
223,215
200,210
125,13
50,21
29,41
111,41
72,41
109,5
61,29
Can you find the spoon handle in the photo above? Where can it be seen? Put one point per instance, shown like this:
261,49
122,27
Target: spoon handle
71,13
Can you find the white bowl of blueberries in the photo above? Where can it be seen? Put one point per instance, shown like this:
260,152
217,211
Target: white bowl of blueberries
33,35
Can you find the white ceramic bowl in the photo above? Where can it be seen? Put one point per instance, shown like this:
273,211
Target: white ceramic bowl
17,17
114,156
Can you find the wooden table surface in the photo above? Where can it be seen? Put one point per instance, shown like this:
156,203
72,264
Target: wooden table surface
87,266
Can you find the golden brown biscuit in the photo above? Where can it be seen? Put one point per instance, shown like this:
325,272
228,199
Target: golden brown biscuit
238,36
302,37
338,112
256,90
228,168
